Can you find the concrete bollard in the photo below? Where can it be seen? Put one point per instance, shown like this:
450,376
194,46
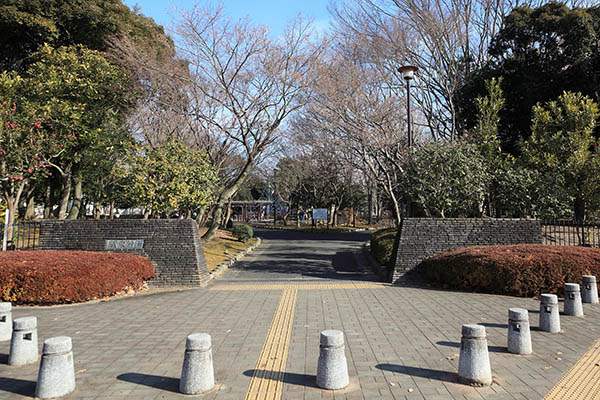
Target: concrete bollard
589,294
519,335
573,304
549,315
6,323
197,373
56,376
24,342
474,361
332,369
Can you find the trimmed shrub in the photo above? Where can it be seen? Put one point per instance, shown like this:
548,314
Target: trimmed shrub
242,232
58,277
516,270
382,244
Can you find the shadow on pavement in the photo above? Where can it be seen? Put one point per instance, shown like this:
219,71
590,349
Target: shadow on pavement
434,374
493,325
276,234
3,358
288,377
153,381
495,349
17,386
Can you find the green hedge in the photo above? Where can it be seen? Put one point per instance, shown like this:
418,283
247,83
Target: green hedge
382,244
517,270
242,232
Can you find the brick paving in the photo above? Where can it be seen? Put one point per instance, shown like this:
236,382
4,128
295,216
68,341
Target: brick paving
402,342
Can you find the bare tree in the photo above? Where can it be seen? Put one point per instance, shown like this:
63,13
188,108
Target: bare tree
446,39
357,117
245,84
162,82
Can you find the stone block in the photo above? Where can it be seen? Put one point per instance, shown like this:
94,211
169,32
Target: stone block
474,362
56,376
573,306
24,342
332,367
197,374
519,335
6,323
549,314
589,293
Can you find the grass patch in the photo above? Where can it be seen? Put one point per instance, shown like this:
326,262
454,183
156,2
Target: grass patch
222,247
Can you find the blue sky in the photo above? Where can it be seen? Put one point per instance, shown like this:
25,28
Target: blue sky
272,13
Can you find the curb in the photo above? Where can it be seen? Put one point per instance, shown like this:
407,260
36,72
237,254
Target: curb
225,265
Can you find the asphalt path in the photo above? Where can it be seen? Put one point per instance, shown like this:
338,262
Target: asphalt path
294,255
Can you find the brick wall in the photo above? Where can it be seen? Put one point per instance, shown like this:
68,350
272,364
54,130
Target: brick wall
421,238
173,245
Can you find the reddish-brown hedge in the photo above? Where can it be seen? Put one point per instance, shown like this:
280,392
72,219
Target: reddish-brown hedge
58,277
517,270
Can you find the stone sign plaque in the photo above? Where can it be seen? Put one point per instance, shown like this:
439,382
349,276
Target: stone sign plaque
124,244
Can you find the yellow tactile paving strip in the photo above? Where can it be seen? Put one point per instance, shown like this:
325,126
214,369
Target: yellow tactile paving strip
582,381
267,380
300,286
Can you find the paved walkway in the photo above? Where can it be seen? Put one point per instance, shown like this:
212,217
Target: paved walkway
265,316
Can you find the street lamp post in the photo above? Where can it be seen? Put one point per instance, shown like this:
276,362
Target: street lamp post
408,73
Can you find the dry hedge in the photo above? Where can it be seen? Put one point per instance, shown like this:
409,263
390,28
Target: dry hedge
517,270
58,277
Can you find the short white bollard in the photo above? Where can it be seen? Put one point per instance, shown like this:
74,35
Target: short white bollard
197,373
332,369
56,376
519,335
6,323
573,304
474,361
549,315
24,342
589,294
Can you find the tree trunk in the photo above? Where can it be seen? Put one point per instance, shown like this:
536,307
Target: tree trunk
65,192
48,202
111,213
97,211
30,210
579,208
227,215
200,218
78,195
147,212
12,199
223,198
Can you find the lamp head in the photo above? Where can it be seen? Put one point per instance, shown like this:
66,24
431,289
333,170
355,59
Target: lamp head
408,71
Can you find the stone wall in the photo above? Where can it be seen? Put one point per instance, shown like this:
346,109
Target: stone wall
421,238
173,245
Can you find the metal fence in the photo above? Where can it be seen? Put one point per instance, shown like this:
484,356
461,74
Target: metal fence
571,233
22,236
